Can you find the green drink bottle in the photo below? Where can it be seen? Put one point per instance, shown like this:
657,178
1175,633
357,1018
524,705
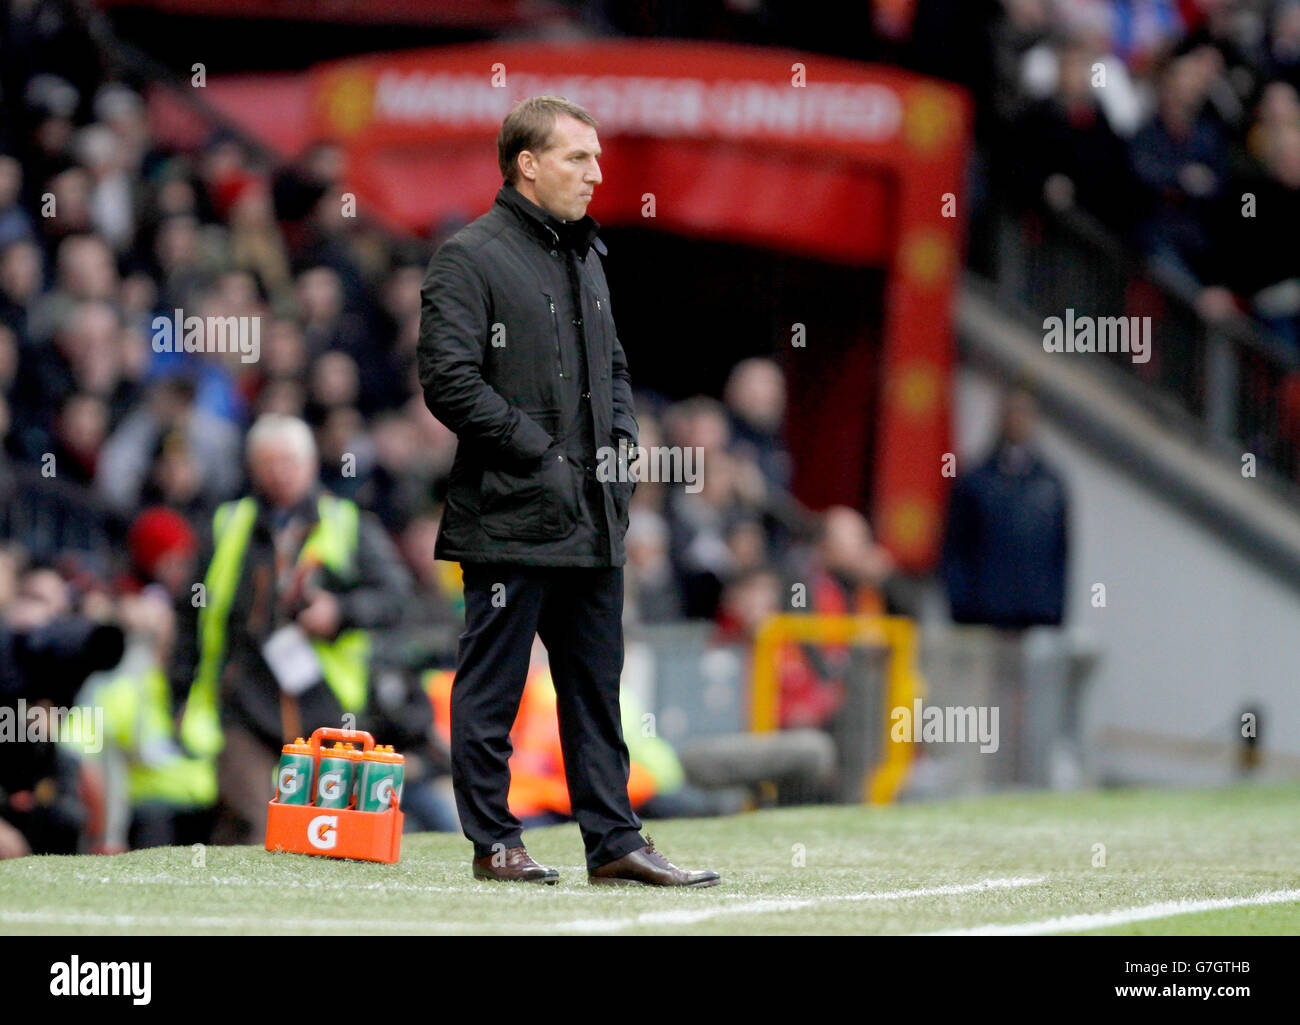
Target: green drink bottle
382,772
336,777
293,779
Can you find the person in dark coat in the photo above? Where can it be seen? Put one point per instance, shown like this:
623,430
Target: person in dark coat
518,355
1006,546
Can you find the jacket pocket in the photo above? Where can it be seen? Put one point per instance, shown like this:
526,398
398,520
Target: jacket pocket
622,496
540,504
623,486
604,334
555,333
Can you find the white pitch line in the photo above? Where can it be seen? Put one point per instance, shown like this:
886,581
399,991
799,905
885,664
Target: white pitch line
210,882
770,905
257,925
280,884
677,917
1123,916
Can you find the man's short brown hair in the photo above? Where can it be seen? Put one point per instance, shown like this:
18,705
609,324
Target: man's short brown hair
528,126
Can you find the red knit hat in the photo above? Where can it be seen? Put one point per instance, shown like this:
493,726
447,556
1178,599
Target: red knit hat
157,532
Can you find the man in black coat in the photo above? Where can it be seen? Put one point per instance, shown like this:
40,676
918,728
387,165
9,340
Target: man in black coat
1007,542
519,357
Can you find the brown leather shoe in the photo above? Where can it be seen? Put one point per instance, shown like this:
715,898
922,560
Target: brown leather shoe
518,867
648,867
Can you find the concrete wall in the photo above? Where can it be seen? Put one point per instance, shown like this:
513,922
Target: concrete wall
1192,632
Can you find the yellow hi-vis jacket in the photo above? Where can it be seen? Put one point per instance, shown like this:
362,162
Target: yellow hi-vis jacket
138,721
344,661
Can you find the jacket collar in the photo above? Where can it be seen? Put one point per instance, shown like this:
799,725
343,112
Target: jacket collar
305,510
577,235
1015,460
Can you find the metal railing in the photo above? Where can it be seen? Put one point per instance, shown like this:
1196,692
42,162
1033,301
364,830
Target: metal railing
1230,384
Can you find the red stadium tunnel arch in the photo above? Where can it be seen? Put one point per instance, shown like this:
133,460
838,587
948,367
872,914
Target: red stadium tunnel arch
815,156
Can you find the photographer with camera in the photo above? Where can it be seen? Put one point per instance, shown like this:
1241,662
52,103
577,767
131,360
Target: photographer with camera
47,650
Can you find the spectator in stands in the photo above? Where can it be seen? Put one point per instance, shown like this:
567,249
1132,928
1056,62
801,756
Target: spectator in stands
335,383
1006,546
850,573
86,272
651,495
808,696
401,480
1235,30
8,361
1264,265
1022,27
80,429
69,195
1180,160
330,327
256,244
701,525
1283,60
169,408
1069,152
347,452
1225,97
113,184
652,595
844,573
176,481
439,597
20,285
1137,31
15,223
179,263
755,398
1279,109
728,488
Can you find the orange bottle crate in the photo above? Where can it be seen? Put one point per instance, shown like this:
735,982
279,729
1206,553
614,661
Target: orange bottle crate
336,832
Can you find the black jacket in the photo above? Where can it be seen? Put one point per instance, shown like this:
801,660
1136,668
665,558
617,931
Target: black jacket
519,357
1007,544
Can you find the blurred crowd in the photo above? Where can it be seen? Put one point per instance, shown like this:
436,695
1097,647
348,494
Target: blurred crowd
117,452
1176,123
1157,117
116,455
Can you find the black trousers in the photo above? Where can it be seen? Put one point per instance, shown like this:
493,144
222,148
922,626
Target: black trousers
578,613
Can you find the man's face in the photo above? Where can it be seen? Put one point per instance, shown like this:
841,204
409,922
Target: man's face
280,473
1019,418
565,175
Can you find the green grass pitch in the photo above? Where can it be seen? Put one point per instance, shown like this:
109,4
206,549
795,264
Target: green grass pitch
1020,861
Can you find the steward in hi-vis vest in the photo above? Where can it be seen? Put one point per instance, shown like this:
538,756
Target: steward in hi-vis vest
277,640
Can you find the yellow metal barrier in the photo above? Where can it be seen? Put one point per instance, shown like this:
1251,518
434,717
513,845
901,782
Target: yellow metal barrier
903,682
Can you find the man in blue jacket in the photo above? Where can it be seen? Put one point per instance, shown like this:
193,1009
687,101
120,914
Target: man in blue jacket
1004,556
